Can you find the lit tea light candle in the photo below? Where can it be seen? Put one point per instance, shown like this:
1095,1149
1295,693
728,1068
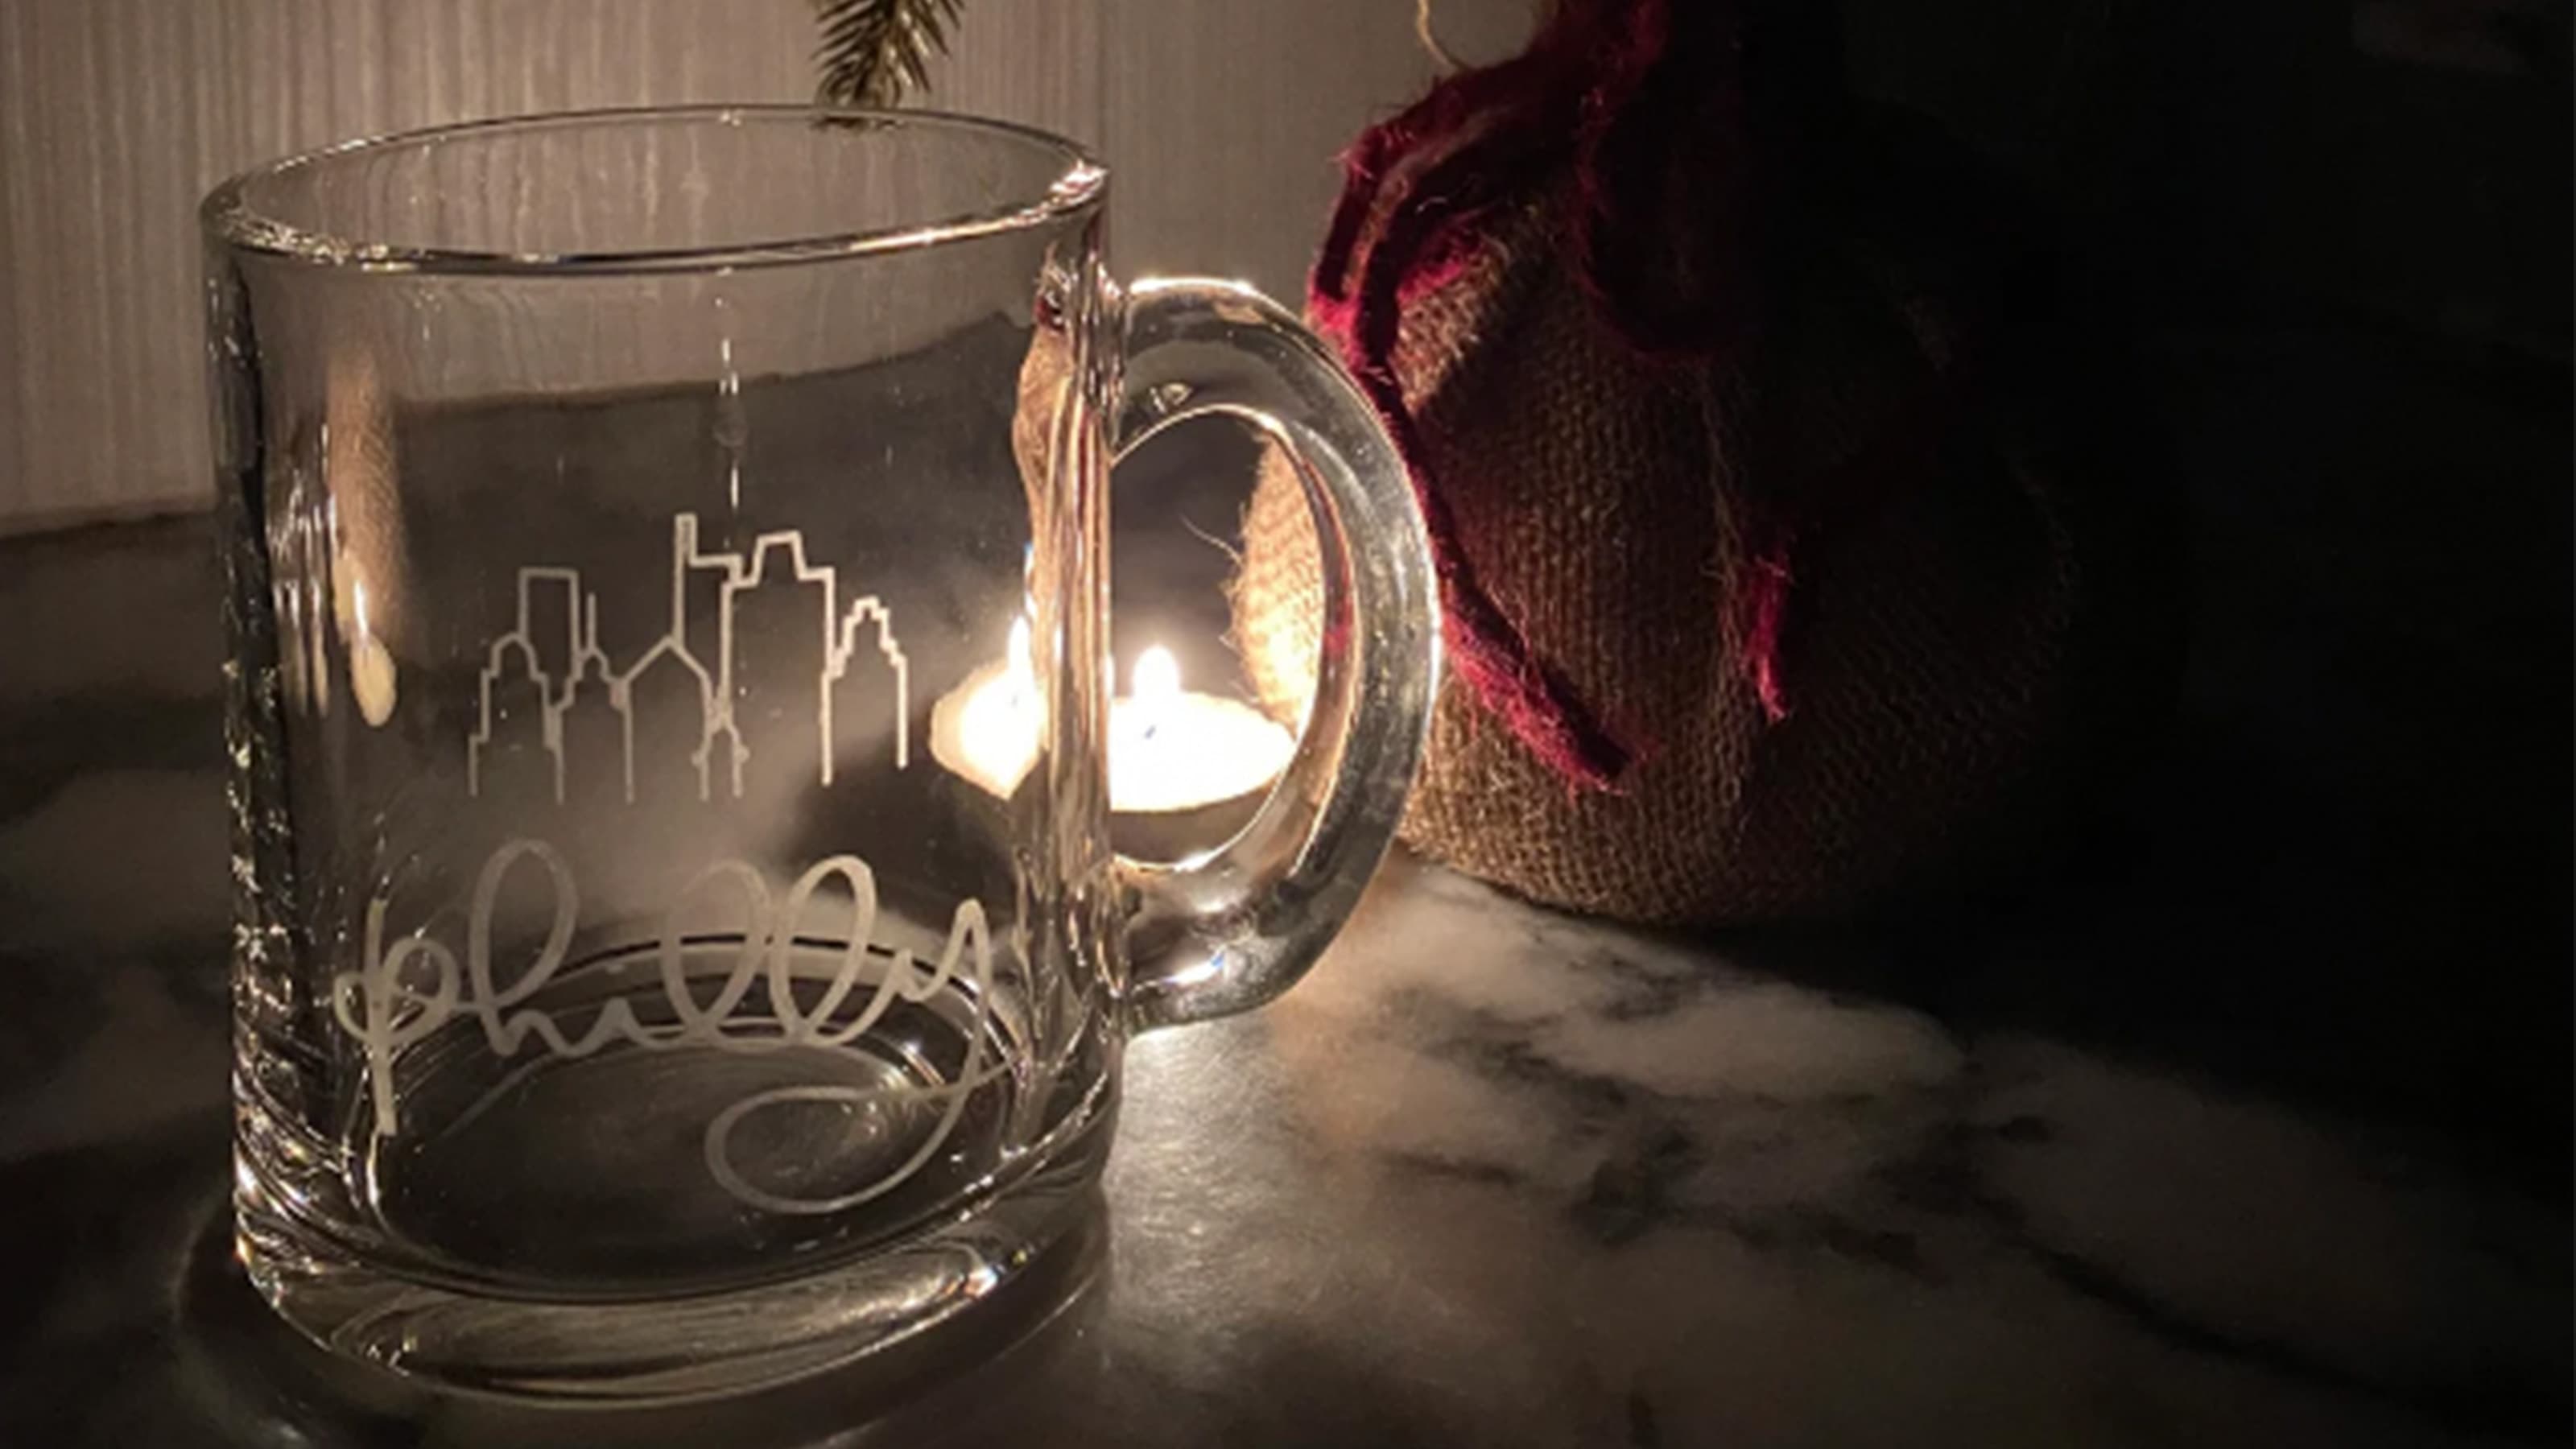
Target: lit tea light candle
1185,770
1170,750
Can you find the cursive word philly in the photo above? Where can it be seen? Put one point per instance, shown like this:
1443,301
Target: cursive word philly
411,988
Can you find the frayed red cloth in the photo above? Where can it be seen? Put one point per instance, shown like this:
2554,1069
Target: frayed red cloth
1639,106
1796,549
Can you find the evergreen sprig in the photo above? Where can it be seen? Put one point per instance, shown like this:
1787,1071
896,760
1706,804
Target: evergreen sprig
874,52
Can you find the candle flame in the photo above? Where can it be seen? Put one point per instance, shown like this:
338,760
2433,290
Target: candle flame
1157,676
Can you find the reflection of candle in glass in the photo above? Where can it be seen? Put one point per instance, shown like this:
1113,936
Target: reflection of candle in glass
987,729
371,665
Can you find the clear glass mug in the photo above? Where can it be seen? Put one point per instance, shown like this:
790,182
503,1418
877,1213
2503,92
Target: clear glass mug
656,972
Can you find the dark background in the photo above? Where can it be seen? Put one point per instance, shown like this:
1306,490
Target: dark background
2341,234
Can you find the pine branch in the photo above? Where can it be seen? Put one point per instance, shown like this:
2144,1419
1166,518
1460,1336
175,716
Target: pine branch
873,52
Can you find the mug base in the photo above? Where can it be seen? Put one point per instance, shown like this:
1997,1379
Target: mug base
629,1352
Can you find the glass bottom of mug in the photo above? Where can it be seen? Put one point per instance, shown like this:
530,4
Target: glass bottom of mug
638,1351
674,1214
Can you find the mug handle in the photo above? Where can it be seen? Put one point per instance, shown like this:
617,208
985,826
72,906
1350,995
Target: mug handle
1229,930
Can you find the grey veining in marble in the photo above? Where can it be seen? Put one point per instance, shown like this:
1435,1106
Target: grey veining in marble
1492,1176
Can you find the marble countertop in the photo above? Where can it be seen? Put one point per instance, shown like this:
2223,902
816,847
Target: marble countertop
1492,1176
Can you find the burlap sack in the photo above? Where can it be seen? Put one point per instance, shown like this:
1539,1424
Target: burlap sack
1969,630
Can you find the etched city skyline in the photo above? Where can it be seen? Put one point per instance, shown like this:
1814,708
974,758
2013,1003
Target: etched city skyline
733,700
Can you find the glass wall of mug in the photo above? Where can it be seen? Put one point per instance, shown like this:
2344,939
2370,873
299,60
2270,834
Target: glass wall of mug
631,522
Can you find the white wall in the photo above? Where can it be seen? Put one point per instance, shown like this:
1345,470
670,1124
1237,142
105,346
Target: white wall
1219,118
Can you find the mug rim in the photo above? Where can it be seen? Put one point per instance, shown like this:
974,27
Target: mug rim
229,219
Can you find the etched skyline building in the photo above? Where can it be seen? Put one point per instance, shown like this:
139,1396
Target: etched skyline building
756,660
